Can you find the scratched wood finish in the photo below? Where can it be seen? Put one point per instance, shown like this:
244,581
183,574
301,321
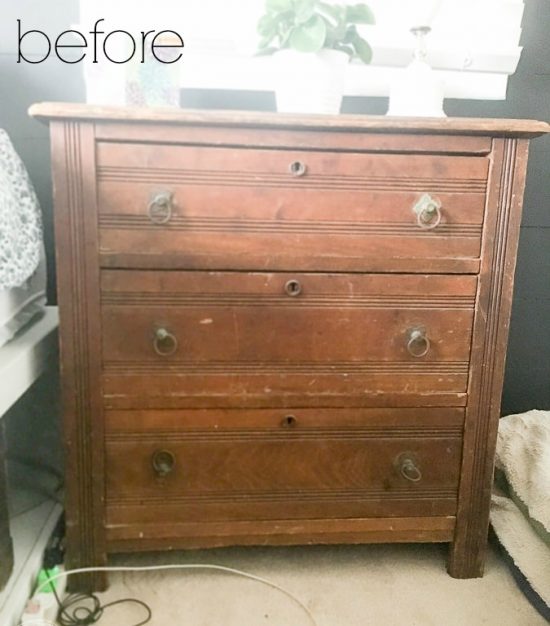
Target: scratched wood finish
238,331
347,211
269,420
292,475
127,537
284,415
298,138
242,318
78,297
245,119
294,464
467,556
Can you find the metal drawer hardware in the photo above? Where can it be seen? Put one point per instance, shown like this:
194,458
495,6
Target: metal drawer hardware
161,207
407,466
289,422
293,288
164,463
165,343
428,212
419,345
298,169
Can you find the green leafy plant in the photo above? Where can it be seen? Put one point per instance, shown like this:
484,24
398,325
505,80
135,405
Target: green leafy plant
311,25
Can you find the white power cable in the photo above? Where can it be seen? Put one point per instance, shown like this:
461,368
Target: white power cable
152,568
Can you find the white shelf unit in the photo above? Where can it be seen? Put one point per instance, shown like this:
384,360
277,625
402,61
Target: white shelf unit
22,361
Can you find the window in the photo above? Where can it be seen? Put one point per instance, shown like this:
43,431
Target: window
474,44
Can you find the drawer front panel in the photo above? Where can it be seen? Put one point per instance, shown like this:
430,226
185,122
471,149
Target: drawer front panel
251,335
224,208
276,471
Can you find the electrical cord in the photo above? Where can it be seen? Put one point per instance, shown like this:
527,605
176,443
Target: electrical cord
72,612
84,616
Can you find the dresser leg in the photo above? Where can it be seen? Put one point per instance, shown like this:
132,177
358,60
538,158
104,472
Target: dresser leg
89,582
467,558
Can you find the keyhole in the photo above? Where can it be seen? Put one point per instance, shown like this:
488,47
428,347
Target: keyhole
298,168
290,421
293,288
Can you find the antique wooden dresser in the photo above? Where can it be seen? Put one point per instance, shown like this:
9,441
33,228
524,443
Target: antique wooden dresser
280,329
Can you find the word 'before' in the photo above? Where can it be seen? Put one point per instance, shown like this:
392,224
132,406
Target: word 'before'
117,46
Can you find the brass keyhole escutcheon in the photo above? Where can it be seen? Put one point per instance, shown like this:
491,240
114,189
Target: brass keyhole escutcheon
164,463
293,288
298,169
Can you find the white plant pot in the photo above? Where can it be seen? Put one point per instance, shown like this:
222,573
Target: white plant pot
310,83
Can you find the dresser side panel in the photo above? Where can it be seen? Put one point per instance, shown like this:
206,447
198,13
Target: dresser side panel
73,159
491,325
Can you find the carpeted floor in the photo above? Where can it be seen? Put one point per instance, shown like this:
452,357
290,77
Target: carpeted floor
378,585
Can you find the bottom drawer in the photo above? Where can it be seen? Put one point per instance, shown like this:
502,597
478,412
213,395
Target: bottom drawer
229,465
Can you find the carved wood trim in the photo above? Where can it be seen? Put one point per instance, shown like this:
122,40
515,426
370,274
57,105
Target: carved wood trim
341,495
322,434
335,300
78,294
198,368
258,179
488,354
295,227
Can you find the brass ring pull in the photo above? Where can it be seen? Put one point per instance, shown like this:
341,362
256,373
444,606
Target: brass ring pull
428,212
298,169
161,207
289,422
293,288
419,345
408,468
164,463
165,343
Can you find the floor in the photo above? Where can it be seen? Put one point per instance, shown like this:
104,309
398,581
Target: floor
401,585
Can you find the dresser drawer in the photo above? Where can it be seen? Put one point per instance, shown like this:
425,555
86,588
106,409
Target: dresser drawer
219,208
211,337
213,466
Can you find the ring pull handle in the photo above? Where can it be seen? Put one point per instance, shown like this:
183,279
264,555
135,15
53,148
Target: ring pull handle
428,212
289,421
161,207
164,463
165,343
419,345
407,466
293,288
298,169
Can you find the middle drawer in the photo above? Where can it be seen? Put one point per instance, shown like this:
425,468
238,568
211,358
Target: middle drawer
213,338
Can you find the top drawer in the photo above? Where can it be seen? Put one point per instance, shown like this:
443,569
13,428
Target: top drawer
235,208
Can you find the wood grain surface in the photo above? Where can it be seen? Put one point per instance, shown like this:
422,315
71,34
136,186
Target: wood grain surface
238,292
470,126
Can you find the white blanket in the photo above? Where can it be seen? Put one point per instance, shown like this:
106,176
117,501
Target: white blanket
523,454
522,521
20,219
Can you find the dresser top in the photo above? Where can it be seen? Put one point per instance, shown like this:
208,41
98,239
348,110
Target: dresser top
48,111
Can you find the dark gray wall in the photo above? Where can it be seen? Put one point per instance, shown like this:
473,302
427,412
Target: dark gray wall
24,84
528,370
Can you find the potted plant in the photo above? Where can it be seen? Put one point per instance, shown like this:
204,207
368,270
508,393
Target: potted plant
313,42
